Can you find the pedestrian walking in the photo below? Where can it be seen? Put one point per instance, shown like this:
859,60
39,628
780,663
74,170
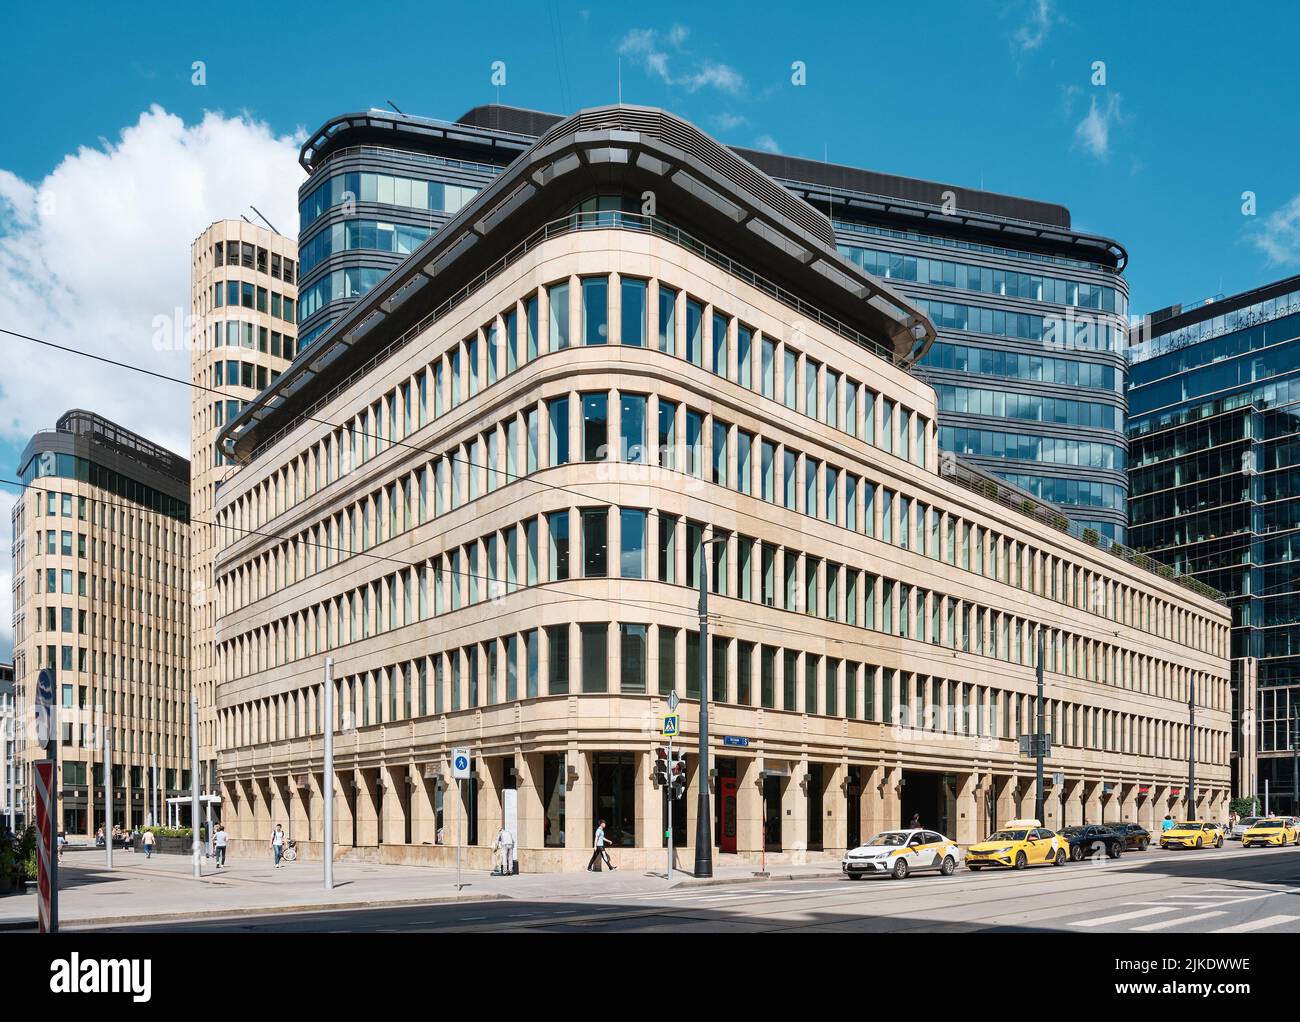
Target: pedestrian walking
62,840
1167,823
277,844
219,840
916,822
599,852
505,848
147,841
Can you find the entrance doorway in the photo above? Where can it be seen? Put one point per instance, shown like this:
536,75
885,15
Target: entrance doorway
772,812
724,800
854,807
815,789
927,796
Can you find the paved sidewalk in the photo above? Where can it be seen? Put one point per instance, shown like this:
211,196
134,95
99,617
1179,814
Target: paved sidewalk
153,890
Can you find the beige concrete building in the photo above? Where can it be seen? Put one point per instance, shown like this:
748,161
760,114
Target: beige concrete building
489,493
244,294
101,595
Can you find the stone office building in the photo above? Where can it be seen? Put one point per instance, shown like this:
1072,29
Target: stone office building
489,490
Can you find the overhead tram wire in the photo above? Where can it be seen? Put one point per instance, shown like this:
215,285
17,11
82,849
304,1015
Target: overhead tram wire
348,554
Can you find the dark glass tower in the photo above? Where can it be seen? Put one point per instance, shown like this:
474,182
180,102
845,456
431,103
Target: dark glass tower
1214,439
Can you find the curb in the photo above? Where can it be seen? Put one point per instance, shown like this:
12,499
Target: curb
261,910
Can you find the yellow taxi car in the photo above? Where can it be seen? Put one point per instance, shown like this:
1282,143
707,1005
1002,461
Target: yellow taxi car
1019,844
1271,831
1192,834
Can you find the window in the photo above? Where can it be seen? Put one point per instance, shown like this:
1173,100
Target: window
595,426
694,332
720,328
631,543
557,297
667,659
810,372
720,430
632,644
667,548
695,443
595,310
557,528
667,434
667,320
632,411
744,356
633,295
744,475
767,368
791,371
595,539
557,644
595,657
558,416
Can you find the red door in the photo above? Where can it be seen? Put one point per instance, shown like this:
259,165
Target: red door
727,830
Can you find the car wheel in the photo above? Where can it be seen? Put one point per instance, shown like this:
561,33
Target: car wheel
1060,857
949,866
1076,853
900,869
1218,842
1021,861
1200,843
1142,845
1113,850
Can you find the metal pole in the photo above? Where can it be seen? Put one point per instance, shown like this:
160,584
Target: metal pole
1295,773
194,786
703,838
108,798
327,784
1191,748
1041,738
156,811
668,794
460,827
11,751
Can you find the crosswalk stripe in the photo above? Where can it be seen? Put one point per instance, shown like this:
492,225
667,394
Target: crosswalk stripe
1125,916
1180,921
1258,924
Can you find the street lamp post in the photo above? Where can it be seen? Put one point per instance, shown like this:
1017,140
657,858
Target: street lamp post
1040,738
703,829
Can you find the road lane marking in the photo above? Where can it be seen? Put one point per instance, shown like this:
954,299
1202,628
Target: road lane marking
1125,916
1258,924
1180,921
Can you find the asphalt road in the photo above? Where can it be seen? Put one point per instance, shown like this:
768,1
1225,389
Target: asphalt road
1229,890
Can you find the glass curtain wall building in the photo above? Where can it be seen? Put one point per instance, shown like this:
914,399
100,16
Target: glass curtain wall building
1214,437
1031,314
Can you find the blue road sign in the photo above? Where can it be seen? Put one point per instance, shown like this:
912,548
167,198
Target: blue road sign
672,725
459,764
735,741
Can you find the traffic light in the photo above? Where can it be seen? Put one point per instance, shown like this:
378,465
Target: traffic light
679,774
660,775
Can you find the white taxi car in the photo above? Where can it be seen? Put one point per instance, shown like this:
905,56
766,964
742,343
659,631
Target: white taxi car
898,853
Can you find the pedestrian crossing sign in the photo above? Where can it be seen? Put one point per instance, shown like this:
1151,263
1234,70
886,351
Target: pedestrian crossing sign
672,724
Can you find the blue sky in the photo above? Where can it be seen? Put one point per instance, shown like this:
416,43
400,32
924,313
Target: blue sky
1198,107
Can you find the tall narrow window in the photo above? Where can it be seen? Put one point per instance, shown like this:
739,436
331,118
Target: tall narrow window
632,543
558,418
720,328
595,542
557,297
595,426
667,320
694,332
632,412
632,322
744,356
595,310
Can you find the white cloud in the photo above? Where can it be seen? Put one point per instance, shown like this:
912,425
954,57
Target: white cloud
1278,234
1093,133
727,121
92,255
1033,32
767,143
660,52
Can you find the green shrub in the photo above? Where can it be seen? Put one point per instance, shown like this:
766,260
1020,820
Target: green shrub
1091,536
1246,805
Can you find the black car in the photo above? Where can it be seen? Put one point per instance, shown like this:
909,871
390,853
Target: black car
1090,840
1135,835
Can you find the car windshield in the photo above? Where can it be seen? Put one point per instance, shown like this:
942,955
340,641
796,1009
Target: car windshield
1070,831
1187,826
889,839
1268,824
1010,835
